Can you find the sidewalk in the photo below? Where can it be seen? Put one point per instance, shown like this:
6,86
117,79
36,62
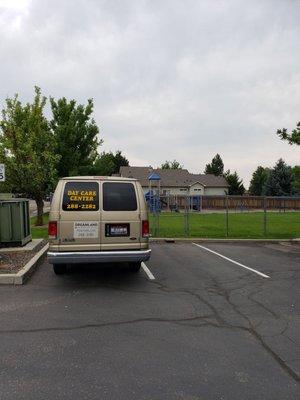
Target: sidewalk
222,240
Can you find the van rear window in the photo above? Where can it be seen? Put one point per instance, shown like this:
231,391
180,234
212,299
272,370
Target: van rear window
119,197
81,196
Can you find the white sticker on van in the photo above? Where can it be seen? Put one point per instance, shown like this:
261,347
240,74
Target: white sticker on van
86,229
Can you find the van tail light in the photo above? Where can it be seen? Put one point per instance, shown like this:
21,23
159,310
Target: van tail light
52,229
145,228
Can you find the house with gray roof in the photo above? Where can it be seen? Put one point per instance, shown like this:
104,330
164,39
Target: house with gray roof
178,181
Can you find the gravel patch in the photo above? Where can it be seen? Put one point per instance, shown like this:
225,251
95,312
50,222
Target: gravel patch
12,261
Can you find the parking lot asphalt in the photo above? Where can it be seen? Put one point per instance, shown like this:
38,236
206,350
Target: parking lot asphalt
203,327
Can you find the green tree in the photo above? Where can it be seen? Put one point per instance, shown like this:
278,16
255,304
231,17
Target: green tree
216,167
120,161
296,172
104,164
280,180
171,165
292,137
27,148
5,187
236,186
76,135
258,181
107,164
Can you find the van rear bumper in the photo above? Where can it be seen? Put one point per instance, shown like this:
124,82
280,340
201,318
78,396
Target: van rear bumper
79,257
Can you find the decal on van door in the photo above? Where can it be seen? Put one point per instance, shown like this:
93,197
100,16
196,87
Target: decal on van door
81,196
86,229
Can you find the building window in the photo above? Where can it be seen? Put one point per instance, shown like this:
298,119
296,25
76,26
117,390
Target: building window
183,190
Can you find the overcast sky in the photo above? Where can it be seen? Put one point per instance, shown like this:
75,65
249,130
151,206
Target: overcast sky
170,79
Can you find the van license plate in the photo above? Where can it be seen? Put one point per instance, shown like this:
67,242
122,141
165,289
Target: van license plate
116,230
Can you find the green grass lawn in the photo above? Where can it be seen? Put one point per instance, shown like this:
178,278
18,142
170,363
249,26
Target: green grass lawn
39,232
241,225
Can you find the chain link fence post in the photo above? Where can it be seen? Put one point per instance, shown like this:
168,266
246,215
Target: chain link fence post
153,223
154,218
265,216
227,221
156,224
186,217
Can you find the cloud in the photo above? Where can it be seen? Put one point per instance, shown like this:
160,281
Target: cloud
169,79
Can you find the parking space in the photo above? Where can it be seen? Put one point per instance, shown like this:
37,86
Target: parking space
194,323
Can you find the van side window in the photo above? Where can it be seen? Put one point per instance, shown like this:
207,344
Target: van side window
119,197
81,196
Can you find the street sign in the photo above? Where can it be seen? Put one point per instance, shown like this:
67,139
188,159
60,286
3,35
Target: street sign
2,173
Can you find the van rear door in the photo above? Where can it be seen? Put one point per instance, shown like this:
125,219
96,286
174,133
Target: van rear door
120,221
79,220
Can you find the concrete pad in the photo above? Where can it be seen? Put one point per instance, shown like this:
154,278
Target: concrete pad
28,247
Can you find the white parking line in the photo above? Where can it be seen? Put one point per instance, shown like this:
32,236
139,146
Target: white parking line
234,262
147,271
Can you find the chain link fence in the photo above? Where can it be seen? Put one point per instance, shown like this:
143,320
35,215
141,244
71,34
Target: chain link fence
225,217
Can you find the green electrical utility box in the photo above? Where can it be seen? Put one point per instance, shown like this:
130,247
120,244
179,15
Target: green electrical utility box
14,222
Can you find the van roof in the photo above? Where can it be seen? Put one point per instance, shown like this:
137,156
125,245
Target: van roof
102,178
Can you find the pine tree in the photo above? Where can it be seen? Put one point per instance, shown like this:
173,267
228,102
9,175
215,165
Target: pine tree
280,181
296,172
216,167
258,181
292,137
236,186
171,165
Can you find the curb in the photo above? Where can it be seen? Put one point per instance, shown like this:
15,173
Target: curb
215,240
28,247
20,277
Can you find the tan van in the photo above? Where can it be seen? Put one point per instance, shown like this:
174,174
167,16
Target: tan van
98,220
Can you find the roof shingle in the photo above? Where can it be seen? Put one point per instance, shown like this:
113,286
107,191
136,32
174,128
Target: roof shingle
173,177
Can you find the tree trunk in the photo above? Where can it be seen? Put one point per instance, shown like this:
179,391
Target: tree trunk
40,212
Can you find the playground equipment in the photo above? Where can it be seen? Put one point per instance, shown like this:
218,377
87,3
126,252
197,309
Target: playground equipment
196,203
153,196
156,201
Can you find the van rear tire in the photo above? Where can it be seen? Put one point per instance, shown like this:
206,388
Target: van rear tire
135,266
59,269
